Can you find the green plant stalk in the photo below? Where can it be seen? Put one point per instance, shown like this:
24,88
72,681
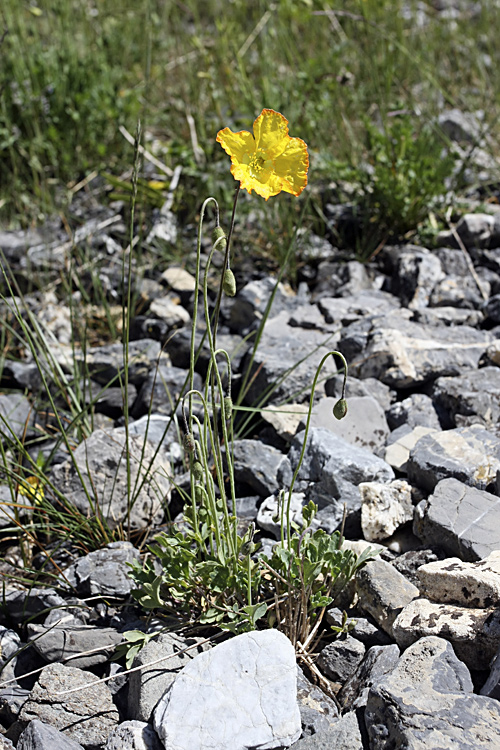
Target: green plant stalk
304,442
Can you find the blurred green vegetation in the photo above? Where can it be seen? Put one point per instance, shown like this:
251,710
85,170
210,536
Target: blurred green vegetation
73,71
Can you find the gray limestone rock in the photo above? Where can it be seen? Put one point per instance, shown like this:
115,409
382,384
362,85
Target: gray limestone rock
384,508
458,125
257,465
492,685
475,230
240,694
471,398
58,643
286,360
462,520
409,563
12,699
417,272
402,354
102,463
457,291
361,628
340,659
345,734
86,716
378,662
23,605
427,701
417,409
355,387
147,685
40,736
469,454
162,389
105,362
464,583
269,516
15,410
346,310
401,442
383,592
318,712
103,572
250,303
473,633
331,471
364,425
133,735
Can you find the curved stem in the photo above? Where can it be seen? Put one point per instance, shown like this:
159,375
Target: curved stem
306,432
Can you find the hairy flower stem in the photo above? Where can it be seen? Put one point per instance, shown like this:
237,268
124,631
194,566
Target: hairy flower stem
304,442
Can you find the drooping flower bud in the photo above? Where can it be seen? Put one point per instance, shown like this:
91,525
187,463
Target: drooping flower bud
229,283
217,234
340,409
197,470
228,407
189,445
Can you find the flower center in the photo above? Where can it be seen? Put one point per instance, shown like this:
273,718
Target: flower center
258,163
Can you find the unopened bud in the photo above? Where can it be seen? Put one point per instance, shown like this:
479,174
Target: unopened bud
219,234
189,445
340,409
228,407
197,470
229,283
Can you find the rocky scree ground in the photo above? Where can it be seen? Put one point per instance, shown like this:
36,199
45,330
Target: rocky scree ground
414,466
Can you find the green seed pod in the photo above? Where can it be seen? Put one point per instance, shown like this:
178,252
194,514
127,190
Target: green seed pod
198,494
248,548
229,283
189,445
217,234
228,407
340,409
197,470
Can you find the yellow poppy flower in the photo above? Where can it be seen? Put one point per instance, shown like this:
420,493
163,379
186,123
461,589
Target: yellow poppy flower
32,488
268,161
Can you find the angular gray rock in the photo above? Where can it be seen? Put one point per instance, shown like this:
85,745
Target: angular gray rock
401,442
378,662
462,520
345,734
86,716
102,464
15,410
149,684
286,360
427,701
40,736
383,592
467,584
331,471
257,465
59,643
473,633
364,425
417,409
492,685
401,353
161,390
417,272
340,659
241,694
105,362
133,735
471,398
469,454
103,572
318,712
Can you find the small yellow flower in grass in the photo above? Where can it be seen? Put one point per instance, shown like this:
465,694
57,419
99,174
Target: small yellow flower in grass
268,161
32,488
